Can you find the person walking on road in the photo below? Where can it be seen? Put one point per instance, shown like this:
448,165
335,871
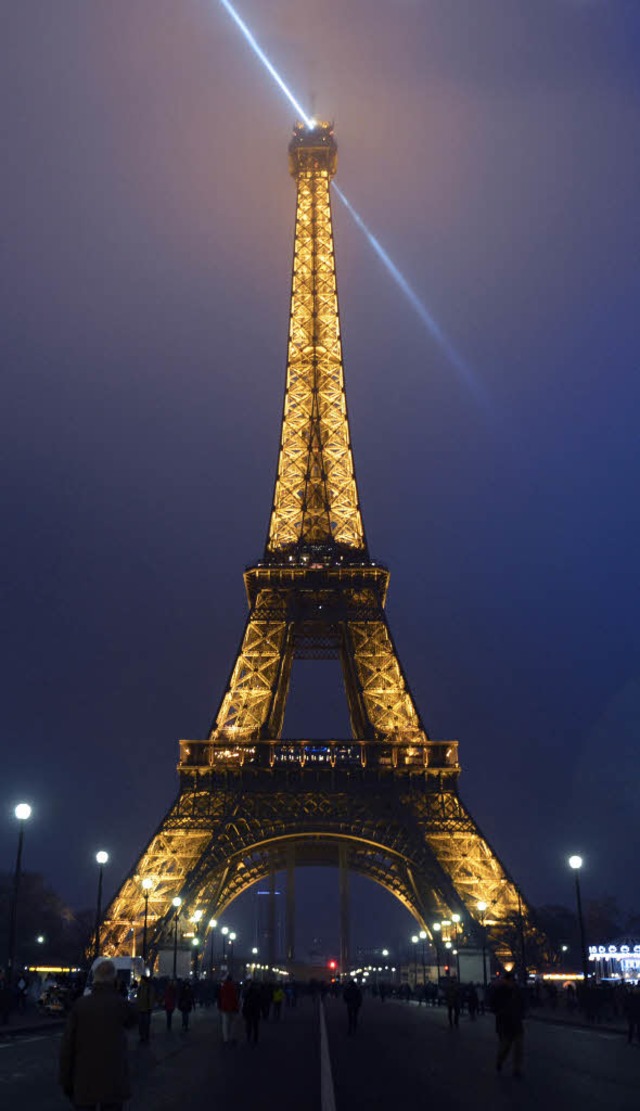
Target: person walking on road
144,1002
228,1005
353,999
266,995
507,1004
251,1010
278,1000
472,1001
170,998
5,999
452,998
185,1002
631,1007
94,1071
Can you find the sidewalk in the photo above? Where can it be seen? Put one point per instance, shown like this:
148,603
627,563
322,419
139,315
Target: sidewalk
559,1016
30,1021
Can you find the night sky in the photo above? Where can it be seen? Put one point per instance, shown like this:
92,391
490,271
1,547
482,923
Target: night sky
147,226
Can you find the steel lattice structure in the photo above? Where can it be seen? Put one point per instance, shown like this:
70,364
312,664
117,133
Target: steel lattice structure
385,800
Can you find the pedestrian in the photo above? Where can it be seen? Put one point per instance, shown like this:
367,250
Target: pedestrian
170,999
185,1002
228,1005
144,1002
251,1010
472,1001
452,999
94,1071
507,1005
22,987
352,997
632,1012
277,1001
5,999
266,995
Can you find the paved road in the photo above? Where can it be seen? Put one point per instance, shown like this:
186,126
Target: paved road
403,1057
412,1055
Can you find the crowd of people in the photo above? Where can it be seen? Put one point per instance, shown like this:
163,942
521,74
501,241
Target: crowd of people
93,1067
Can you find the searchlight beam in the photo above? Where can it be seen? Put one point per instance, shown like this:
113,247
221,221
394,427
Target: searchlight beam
464,370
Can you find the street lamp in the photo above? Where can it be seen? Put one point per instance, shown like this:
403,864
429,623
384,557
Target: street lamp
195,941
147,884
575,862
224,931
414,941
177,903
101,858
455,918
22,813
435,930
482,907
523,953
232,938
213,922
423,937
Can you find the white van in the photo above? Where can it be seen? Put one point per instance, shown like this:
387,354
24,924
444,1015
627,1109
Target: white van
129,971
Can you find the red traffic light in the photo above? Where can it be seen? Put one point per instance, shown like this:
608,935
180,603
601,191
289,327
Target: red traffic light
333,965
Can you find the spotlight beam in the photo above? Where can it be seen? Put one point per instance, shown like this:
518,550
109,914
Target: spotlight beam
465,372
436,331
257,49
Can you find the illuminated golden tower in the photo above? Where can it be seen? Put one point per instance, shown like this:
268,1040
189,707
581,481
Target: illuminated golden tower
383,802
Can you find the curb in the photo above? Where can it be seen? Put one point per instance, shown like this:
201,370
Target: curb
593,1026
32,1028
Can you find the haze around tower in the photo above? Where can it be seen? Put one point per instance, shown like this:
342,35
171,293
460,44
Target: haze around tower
146,271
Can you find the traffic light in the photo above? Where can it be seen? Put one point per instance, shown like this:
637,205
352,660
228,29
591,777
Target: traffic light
333,965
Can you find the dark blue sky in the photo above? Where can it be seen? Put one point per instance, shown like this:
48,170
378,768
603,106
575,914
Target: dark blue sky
147,227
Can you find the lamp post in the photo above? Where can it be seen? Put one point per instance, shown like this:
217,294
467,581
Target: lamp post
455,918
213,922
575,862
196,919
177,903
147,884
414,941
482,907
225,932
523,952
232,938
22,813
385,954
101,858
423,937
435,930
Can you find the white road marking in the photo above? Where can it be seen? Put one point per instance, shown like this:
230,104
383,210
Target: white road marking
17,1041
327,1094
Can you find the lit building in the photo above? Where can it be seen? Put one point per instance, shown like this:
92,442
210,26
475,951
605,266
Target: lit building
618,961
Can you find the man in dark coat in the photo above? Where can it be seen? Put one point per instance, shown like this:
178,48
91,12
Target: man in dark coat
507,1004
94,1070
251,1010
352,996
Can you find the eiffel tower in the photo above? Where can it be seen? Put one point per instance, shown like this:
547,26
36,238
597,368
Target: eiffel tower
383,802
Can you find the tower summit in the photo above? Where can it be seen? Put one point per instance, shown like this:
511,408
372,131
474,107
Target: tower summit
315,512
383,802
